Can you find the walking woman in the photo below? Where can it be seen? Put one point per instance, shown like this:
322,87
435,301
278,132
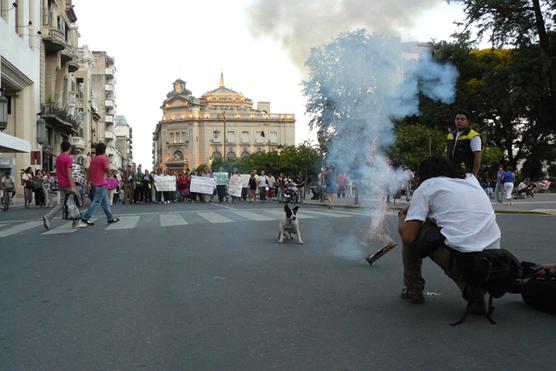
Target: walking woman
40,200
252,187
509,178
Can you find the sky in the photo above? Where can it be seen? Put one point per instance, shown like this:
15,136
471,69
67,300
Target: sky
260,46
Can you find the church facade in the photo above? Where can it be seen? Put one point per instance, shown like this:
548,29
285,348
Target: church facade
221,124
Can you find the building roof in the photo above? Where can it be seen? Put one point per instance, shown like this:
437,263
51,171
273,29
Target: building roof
120,120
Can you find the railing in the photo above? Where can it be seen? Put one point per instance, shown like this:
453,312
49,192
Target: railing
52,108
77,141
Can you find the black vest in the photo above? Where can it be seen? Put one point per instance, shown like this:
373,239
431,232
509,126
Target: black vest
462,154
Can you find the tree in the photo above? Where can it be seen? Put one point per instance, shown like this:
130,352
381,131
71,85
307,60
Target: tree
413,143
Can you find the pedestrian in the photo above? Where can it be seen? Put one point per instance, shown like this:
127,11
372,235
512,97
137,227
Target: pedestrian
456,207
299,181
464,144
66,185
129,185
280,185
47,187
509,179
330,184
138,193
111,186
341,191
98,170
252,187
147,187
263,186
27,181
499,189
271,186
40,200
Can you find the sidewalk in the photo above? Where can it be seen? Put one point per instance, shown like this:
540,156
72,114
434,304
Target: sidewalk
543,203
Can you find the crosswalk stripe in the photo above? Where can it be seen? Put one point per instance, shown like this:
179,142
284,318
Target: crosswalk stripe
281,214
330,214
254,216
3,225
20,228
214,217
170,220
126,222
64,229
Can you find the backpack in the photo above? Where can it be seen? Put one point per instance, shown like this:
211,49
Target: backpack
494,271
72,206
540,293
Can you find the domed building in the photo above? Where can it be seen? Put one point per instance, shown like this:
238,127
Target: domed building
220,124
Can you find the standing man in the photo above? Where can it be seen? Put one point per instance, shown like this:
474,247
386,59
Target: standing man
499,189
299,180
263,186
98,170
464,144
66,185
128,184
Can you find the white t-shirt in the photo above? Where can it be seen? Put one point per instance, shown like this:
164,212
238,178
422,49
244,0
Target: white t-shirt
462,210
262,181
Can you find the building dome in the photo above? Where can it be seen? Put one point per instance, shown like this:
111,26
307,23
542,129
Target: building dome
222,96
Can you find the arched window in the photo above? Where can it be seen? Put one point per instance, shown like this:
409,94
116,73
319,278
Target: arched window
231,155
216,155
244,154
178,156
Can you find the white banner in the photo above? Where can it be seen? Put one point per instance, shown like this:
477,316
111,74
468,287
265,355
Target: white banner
166,183
202,184
235,185
245,180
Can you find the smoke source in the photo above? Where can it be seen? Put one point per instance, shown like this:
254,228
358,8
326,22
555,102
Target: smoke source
299,25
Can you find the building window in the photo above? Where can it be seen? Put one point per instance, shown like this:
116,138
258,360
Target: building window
216,155
231,155
178,156
216,136
244,154
259,138
244,137
273,137
231,136
185,136
172,138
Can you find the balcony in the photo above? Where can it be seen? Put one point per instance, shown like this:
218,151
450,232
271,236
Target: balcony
109,103
108,135
54,40
109,72
69,56
59,118
109,119
78,143
109,88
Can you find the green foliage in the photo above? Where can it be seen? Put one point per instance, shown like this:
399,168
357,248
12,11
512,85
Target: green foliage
492,156
304,157
552,171
412,145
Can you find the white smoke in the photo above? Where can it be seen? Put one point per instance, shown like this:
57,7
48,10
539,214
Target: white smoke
299,25
365,83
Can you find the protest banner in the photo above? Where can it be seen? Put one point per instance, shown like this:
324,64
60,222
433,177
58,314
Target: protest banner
245,180
221,178
165,183
235,185
202,184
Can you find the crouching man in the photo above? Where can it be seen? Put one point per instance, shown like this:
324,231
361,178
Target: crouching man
449,213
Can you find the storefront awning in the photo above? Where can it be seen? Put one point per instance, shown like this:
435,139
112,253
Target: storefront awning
11,144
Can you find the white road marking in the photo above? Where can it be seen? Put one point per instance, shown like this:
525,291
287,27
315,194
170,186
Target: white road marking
281,214
329,214
20,228
126,222
64,228
254,216
214,217
170,220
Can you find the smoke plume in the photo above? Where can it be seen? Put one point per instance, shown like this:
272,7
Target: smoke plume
299,25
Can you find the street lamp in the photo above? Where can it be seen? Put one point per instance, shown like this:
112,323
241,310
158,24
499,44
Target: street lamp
3,111
223,117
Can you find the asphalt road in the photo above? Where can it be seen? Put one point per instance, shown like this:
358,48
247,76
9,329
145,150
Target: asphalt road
219,293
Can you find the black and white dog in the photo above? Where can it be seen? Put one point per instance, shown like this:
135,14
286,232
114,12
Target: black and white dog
289,225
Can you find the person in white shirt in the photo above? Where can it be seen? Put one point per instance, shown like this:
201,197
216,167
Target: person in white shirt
449,211
263,186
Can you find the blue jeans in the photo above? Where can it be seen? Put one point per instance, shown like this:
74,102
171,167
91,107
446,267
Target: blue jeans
100,198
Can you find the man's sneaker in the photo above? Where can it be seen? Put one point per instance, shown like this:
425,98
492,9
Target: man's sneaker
115,220
415,297
46,222
79,224
87,222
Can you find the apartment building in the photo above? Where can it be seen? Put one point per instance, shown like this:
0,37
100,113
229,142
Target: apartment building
124,140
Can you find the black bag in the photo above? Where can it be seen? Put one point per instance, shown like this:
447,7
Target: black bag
540,293
494,271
